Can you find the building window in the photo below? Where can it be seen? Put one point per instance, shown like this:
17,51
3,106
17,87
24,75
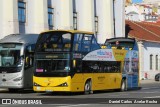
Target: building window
21,11
156,62
96,24
49,3
75,20
151,62
50,17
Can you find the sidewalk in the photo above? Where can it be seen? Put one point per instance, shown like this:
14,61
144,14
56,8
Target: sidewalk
148,81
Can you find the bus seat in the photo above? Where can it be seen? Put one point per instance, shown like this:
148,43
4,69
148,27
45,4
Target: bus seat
86,48
45,45
114,47
67,45
54,45
76,47
103,47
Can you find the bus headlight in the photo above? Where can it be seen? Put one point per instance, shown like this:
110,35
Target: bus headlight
63,85
18,79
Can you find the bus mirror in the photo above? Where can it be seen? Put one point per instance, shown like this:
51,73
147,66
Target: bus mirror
31,48
103,47
27,60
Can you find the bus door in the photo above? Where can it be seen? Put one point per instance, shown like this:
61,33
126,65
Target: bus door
78,75
28,66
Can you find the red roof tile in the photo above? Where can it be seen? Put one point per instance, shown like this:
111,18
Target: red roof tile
143,31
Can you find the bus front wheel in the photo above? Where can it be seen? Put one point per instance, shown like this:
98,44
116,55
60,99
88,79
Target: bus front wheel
12,90
123,85
88,88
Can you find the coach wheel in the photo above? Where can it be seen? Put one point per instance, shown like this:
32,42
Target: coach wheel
87,88
123,85
12,90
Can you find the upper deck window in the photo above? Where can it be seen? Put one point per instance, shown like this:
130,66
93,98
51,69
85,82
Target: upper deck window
55,41
85,42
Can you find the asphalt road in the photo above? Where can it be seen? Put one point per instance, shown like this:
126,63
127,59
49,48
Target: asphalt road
148,91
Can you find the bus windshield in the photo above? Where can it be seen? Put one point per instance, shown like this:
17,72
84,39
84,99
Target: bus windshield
49,67
55,41
9,55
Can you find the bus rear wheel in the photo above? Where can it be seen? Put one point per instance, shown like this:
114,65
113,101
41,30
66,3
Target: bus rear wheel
123,85
88,88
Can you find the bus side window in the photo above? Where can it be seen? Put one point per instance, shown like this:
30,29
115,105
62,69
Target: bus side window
86,66
77,65
29,57
94,45
86,43
77,42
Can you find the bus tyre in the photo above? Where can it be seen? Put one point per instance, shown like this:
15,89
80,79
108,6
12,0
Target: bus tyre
123,85
87,88
12,90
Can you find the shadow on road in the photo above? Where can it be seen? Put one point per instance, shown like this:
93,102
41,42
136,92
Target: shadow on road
29,91
18,91
82,93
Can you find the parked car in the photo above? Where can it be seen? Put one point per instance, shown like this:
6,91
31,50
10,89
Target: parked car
157,77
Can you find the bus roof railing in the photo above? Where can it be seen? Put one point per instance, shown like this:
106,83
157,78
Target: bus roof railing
120,39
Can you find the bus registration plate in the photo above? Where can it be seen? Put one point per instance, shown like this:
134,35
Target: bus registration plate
49,90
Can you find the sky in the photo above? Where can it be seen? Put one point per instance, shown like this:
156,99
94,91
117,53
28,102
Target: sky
137,1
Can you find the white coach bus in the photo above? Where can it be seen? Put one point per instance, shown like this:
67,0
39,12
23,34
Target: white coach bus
16,61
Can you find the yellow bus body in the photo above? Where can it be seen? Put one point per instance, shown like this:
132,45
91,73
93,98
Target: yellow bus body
100,81
76,83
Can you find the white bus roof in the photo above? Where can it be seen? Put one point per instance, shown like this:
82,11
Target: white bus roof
20,38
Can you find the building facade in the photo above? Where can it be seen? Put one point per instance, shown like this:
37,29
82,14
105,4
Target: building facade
148,39
142,12
35,16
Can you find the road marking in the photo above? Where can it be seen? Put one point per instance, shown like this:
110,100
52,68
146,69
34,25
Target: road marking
118,95
150,88
152,97
71,105
144,92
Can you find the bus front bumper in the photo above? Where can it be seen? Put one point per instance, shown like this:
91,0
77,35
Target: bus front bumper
51,89
11,85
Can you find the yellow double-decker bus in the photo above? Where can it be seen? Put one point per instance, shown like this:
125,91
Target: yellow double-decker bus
73,61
